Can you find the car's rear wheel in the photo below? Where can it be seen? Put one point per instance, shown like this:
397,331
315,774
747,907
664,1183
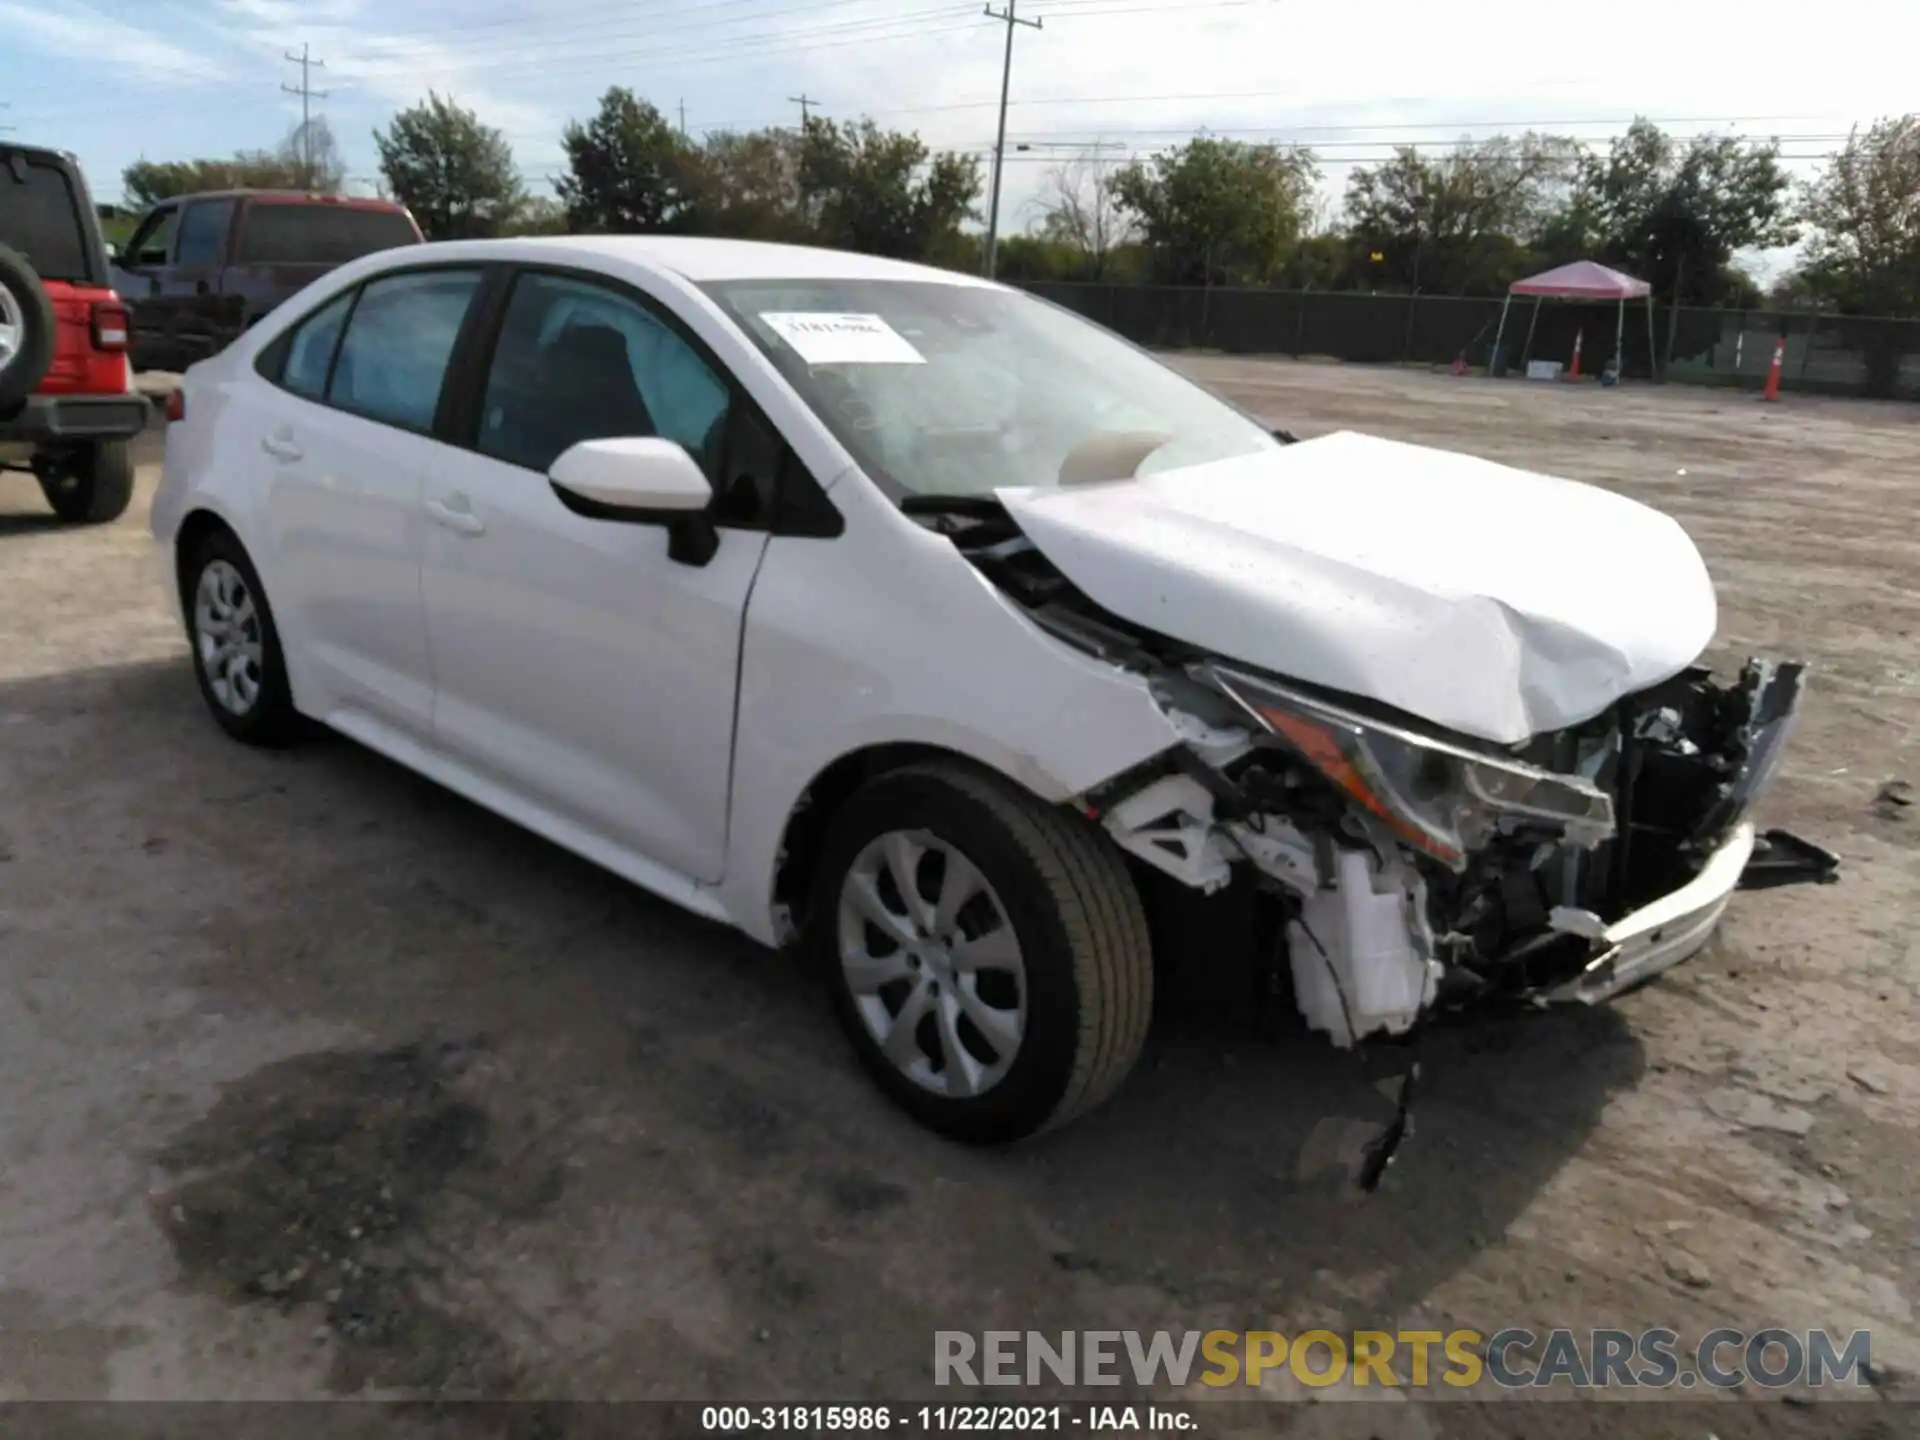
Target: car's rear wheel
26,328
236,649
94,486
987,954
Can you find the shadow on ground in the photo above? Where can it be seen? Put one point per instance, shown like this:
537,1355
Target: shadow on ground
655,1172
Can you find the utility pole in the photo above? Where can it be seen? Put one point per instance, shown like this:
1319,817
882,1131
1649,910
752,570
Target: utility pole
683,118
1012,17
307,95
806,103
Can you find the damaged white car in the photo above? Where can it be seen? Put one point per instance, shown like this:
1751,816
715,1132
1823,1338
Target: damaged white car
911,616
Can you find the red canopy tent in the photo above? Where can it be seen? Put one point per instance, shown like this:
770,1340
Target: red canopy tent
1582,280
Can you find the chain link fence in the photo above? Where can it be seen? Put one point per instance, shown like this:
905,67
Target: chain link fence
1831,354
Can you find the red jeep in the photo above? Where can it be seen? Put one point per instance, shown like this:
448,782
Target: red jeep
67,404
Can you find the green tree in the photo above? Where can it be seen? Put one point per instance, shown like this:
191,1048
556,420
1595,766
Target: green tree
628,169
862,188
1863,255
455,174
1458,223
1219,211
148,182
746,185
1675,213
537,215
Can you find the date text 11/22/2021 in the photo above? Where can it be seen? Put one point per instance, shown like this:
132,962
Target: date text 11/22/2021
942,1419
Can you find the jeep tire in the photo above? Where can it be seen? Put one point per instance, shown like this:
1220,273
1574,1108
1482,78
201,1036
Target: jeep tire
94,486
26,329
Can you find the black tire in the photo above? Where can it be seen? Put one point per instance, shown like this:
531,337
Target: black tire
21,369
1080,926
96,488
271,719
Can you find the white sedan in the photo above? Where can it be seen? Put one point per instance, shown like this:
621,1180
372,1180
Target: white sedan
913,617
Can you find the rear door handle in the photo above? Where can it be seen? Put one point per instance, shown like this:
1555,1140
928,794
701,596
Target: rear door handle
281,447
456,516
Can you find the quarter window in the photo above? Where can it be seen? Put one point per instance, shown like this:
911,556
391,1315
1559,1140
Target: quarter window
577,361
311,353
393,361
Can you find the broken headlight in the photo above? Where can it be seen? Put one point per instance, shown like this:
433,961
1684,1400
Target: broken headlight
1442,799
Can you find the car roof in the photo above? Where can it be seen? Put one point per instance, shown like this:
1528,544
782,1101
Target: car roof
701,260
345,202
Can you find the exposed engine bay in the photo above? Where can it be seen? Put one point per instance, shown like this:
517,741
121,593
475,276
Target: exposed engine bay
1417,868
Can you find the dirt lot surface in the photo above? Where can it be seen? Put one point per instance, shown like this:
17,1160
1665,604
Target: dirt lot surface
314,1078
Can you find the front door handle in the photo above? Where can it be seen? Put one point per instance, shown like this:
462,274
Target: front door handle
282,447
456,516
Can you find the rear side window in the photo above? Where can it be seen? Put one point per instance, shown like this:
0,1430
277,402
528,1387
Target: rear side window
393,361
203,233
42,219
311,353
295,234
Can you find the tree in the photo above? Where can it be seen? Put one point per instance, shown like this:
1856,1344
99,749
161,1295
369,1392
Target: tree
1080,209
1675,213
1459,223
1219,211
455,174
537,215
1864,209
148,182
627,169
746,184
880,192
310,155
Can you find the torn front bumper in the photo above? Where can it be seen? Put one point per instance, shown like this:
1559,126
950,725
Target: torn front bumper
1659,936
1662,933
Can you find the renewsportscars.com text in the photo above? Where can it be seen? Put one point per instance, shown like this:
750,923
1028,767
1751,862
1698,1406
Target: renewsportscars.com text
1513,1358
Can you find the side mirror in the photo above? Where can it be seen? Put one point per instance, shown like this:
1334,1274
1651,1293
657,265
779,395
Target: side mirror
641,481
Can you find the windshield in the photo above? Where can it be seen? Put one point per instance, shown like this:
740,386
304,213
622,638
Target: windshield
955,390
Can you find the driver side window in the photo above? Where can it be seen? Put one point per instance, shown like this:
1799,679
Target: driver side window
578,361
152,243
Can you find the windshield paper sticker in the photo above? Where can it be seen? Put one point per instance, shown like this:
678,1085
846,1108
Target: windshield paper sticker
821,339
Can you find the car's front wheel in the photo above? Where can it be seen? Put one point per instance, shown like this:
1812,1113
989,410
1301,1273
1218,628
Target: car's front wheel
987,953
236,649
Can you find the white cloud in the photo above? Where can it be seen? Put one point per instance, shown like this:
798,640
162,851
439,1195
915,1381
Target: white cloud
83,32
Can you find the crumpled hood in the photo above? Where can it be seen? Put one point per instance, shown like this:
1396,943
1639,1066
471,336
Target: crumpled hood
1489,600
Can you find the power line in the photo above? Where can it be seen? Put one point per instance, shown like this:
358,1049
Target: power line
307,95
1012,16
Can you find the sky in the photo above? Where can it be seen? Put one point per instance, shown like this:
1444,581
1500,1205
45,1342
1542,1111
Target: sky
118,80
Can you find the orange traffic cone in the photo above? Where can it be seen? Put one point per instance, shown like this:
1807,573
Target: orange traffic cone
1573,370
1772,392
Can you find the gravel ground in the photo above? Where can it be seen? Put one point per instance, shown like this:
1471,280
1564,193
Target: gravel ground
317,1079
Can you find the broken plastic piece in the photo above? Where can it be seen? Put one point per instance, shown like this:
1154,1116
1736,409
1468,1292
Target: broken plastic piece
1380,1154
1782,858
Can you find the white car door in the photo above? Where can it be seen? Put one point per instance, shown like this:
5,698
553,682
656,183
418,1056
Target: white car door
576,662
348,452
